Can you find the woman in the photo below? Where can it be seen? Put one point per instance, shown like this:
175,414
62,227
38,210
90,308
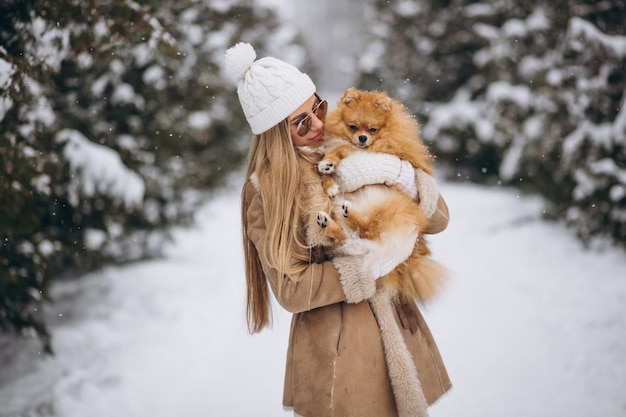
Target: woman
335,358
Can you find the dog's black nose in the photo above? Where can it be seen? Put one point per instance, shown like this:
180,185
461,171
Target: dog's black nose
362,138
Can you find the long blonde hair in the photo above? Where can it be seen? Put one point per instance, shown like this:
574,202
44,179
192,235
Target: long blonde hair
273,159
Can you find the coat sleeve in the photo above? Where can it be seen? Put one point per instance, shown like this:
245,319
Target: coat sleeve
316,286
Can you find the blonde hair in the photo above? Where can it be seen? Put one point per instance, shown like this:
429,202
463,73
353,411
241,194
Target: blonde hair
273,159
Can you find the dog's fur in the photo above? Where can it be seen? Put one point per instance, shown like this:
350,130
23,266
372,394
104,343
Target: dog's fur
315,200
375,122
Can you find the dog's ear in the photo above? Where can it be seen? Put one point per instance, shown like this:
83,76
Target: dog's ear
349,96
384,104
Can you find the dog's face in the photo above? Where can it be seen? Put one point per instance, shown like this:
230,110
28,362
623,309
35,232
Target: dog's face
364,115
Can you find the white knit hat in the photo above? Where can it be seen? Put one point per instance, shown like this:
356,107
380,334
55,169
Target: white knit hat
269,89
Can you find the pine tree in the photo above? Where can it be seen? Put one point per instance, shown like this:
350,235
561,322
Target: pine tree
116,121
527,94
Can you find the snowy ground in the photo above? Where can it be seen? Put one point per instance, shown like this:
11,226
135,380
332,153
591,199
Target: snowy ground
530,325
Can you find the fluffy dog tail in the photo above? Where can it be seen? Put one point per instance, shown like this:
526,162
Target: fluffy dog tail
428,277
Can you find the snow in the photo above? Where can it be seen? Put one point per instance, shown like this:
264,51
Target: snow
99,169
155,76
6,72
502,91
370,58
407,8
581,28
5,106
52,45
199,120
510,160
40,110
458,113
125,94
603,136
477,10
531,325
519,28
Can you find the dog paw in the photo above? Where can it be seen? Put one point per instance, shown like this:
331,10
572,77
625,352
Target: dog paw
333,191
345,208
326,167
322,219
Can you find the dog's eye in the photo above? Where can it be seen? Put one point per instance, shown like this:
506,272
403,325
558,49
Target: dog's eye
353,128
373,130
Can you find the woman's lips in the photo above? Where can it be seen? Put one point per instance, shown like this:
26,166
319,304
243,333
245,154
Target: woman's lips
318,137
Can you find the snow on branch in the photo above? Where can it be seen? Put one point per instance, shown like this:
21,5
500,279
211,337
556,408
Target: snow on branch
6,72
52,44
97,169
503,90
603,135
581,28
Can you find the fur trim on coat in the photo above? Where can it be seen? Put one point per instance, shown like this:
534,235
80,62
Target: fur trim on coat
405,383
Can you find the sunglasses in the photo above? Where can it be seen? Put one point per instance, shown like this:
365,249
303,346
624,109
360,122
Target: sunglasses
319,110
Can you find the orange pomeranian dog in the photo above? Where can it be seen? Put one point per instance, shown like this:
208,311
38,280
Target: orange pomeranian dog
372,121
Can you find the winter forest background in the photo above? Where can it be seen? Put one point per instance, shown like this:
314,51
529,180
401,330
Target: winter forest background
117,122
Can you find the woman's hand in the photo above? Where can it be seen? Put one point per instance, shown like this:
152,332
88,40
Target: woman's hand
427,192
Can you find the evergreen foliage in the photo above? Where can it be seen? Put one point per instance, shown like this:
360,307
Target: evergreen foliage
115,121
521,93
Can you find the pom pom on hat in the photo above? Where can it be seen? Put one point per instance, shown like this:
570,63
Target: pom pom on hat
269,89
238,59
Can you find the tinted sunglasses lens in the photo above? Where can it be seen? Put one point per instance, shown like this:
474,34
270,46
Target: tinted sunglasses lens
320,113
304,126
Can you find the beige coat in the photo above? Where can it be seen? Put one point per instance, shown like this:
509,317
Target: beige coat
335,360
